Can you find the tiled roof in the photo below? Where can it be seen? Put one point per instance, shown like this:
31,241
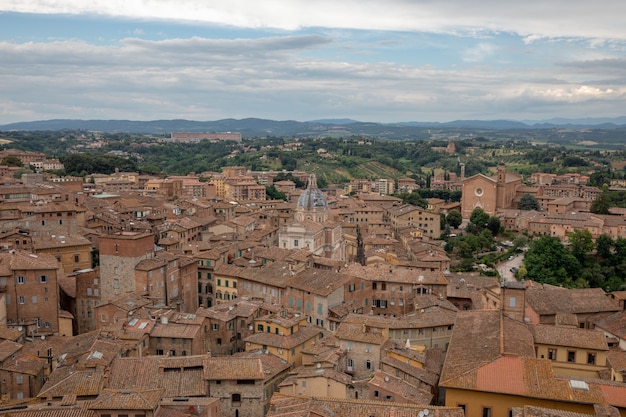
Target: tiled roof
76,411
477,339
318,281
418,373
25,364
233,368
329,373
21,260
127,400
293,406
284,342
175,330
531,411
569,336
178,376
59,241
389,273
9,333
616,359
615,324
400,388
577,301
8,348
67,380
230,310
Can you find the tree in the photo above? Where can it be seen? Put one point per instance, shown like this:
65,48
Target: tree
548,261
581,242
11,161
601,204
528,202
479,218
604,243
454,219
273,194
494,225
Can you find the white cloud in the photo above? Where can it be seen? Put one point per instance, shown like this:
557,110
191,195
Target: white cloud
533,18
479,52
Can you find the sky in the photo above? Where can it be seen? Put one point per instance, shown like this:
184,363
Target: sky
376,61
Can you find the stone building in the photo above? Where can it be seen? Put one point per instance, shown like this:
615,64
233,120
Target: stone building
119,254
312,228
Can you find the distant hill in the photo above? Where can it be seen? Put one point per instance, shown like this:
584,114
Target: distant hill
253,127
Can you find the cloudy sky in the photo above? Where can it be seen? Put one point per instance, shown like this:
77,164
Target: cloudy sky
380,61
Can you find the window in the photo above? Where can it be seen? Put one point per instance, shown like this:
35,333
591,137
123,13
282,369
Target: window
368,364
43,278
216,326
591,358
295,243
376,394
116,283
552,354
236,398
19,379
219,342
76,258
21,299
303,383
512,301
486,411
34,299
20,279
571,356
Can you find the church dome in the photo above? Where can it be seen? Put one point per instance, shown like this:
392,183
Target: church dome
312,197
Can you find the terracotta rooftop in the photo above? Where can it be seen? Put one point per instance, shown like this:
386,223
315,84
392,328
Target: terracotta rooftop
111,399
294,406
68,380
317,281
615,324
303,334
480,337
578,301
178,376
400,389
569,336
230,310
253,365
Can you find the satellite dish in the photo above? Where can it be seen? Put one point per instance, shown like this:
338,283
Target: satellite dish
426,412
421,414
386,379
43,337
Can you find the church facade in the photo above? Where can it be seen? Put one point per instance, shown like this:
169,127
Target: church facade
312,229
490,193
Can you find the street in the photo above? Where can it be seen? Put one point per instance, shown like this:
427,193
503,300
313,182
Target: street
504,267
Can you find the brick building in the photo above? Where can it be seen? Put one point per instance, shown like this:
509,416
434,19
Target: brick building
32,294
